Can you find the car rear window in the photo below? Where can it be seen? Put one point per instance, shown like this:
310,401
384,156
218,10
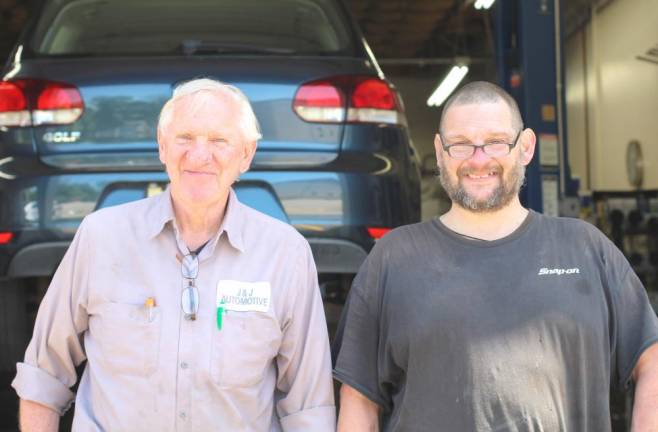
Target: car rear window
189,27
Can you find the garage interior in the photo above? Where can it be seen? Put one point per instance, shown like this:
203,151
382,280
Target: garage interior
606,166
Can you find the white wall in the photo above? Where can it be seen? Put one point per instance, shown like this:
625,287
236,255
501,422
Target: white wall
607,85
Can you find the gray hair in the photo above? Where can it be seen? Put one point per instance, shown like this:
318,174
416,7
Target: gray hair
248,121
480,92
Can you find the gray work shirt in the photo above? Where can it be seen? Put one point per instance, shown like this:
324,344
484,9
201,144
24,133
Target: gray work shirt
267,369
526,333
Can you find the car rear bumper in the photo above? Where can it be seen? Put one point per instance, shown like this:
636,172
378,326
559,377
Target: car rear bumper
332,209
41,259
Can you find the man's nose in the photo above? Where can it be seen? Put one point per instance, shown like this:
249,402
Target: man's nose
199,152
479,155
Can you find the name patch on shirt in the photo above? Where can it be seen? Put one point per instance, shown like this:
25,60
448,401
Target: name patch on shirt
243,296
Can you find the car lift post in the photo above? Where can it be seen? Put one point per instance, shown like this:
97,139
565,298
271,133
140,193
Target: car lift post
530,67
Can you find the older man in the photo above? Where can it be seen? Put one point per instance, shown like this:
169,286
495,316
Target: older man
493,317
194,312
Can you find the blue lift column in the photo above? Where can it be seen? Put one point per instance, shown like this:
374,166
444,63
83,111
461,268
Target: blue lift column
530,68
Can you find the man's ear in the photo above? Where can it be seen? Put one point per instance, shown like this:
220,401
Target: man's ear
438,148
527,142
161,146
249,150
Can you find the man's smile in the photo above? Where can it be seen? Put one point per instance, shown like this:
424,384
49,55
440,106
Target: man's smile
481,175
198,173
484,176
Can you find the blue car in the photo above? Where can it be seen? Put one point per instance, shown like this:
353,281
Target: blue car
80,98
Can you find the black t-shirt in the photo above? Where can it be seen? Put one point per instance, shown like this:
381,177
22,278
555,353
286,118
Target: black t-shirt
525,333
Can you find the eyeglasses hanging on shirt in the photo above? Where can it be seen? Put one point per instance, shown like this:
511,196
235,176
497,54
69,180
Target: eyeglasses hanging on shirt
190,294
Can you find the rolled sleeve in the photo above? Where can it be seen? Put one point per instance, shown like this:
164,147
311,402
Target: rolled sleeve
304,360
312,419
56,348
32,383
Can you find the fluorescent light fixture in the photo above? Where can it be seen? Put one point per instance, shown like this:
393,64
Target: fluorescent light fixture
483,4
448,85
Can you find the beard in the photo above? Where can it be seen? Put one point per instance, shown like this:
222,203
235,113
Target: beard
507,189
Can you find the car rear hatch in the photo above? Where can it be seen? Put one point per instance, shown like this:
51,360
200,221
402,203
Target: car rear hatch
124,57
122,99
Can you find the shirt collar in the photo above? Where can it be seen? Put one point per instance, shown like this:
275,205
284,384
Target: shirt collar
159,213
233,222
162,212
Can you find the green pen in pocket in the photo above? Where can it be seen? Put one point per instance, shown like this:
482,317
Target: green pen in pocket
220,315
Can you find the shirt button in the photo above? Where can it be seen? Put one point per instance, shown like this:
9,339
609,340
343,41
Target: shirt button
183,365
182,415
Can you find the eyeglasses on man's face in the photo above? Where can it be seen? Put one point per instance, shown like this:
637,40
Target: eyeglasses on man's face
190,295
497,147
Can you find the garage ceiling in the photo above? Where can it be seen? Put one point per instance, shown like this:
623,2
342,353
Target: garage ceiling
403,29
443,29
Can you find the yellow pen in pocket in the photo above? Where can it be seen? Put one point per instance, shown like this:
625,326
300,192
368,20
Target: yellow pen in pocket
149,304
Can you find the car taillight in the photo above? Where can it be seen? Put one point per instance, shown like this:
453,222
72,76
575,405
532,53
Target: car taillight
5,237
349,98
31,102
377,232
13,105
319,101
373,93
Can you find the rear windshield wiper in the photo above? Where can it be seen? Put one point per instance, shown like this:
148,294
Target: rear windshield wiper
200,47
66,55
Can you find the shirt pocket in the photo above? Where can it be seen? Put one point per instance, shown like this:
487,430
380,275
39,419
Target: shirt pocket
244,348
129,338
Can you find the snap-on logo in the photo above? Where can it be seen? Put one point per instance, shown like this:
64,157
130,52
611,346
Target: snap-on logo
557,271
